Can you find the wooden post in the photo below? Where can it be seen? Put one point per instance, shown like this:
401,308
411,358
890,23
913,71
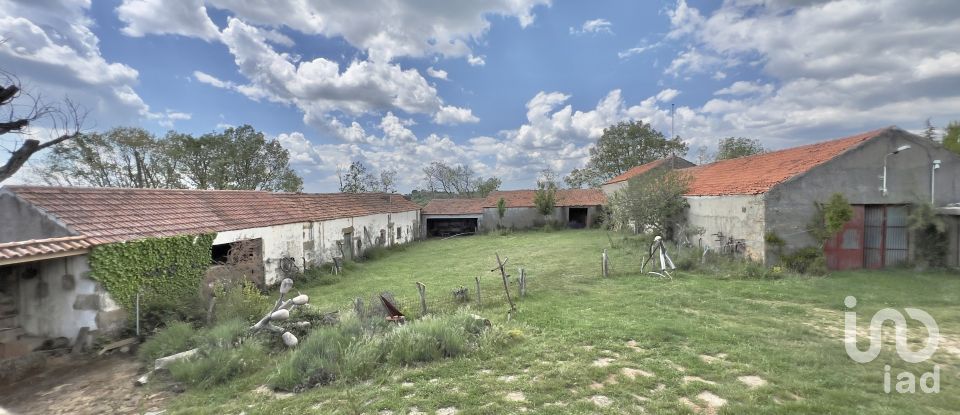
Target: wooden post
479,304
522,283
422,289
506,288
605,265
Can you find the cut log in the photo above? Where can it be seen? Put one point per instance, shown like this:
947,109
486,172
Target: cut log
117,344
163,362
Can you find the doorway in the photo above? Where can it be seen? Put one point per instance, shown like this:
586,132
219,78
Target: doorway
577,217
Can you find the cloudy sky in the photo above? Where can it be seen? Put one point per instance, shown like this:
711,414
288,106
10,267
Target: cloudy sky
508,87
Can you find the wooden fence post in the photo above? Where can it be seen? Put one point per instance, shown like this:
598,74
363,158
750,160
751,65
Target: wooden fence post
422,289
506,288
479,304
605,264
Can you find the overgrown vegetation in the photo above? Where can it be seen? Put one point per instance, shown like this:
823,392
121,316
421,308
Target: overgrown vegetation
652,202
931,235
354,349
167,272
175,337
829,218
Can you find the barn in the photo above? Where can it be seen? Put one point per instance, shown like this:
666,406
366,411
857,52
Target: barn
47,286
740,203
574,208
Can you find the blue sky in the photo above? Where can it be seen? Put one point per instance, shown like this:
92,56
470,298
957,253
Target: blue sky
506,87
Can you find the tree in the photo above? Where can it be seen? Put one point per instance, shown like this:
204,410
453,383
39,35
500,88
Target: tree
501,210
951,138
652,202
238,159
457,180
579,178
929,131
385,182
64,120
625,145
931,234
120,157
545,197
354,180
734,147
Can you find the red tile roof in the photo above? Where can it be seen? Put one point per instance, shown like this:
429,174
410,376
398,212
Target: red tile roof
472,206
22,249
565,197
106,215
759,173
672,161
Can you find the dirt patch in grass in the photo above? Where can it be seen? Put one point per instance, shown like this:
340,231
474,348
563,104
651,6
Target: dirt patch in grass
96,386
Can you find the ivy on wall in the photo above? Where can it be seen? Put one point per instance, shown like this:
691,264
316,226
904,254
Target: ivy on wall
167,270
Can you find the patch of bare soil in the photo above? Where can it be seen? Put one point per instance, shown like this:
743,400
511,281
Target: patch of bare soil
83,386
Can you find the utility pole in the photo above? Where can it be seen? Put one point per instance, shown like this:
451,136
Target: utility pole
673,113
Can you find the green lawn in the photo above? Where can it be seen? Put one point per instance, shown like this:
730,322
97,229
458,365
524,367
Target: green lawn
629,343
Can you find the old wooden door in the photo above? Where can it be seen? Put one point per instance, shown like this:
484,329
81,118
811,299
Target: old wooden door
845,250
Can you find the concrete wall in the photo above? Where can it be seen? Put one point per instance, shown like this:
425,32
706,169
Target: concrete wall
610,189
56,297
316,242
789,206
22,221
528,217
738,216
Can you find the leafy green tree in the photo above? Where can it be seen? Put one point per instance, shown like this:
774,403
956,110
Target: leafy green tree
354,180
238,158
458,180
487,186
580,178
501,210
545,197
120,157
652,202
951,138
733,147
625,145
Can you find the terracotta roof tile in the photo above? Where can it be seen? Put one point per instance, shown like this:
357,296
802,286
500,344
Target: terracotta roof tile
565,197
757,174
108,215
22,249
471,206
643,168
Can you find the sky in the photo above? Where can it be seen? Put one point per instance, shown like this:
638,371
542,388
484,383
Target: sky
506,87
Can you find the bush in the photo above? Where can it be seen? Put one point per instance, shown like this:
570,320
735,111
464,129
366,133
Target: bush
219,365
225,334
354,350
809,260
241,300
175,337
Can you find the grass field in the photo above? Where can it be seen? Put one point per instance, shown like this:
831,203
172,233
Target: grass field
630,343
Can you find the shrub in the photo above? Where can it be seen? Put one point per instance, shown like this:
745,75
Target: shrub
931,234
175,337
809,260
217,365
225,334
240,301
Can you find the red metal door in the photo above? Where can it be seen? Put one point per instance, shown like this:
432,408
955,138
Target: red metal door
845,250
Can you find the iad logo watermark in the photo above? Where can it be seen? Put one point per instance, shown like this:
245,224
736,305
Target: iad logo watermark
906,381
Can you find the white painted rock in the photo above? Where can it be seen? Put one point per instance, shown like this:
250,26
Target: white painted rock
286,285
289,339
280,315
301,299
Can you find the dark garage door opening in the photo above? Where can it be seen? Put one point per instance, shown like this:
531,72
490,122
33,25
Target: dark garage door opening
451,226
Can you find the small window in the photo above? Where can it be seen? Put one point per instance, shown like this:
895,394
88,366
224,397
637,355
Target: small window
399,233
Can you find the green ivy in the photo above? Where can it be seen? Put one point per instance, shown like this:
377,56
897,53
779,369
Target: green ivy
167,270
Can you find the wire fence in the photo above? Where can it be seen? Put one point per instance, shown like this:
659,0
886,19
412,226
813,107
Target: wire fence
487,292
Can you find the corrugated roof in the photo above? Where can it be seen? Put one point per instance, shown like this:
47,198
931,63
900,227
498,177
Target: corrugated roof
759,173
106,215
565,197
33,247
471,206
643,168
